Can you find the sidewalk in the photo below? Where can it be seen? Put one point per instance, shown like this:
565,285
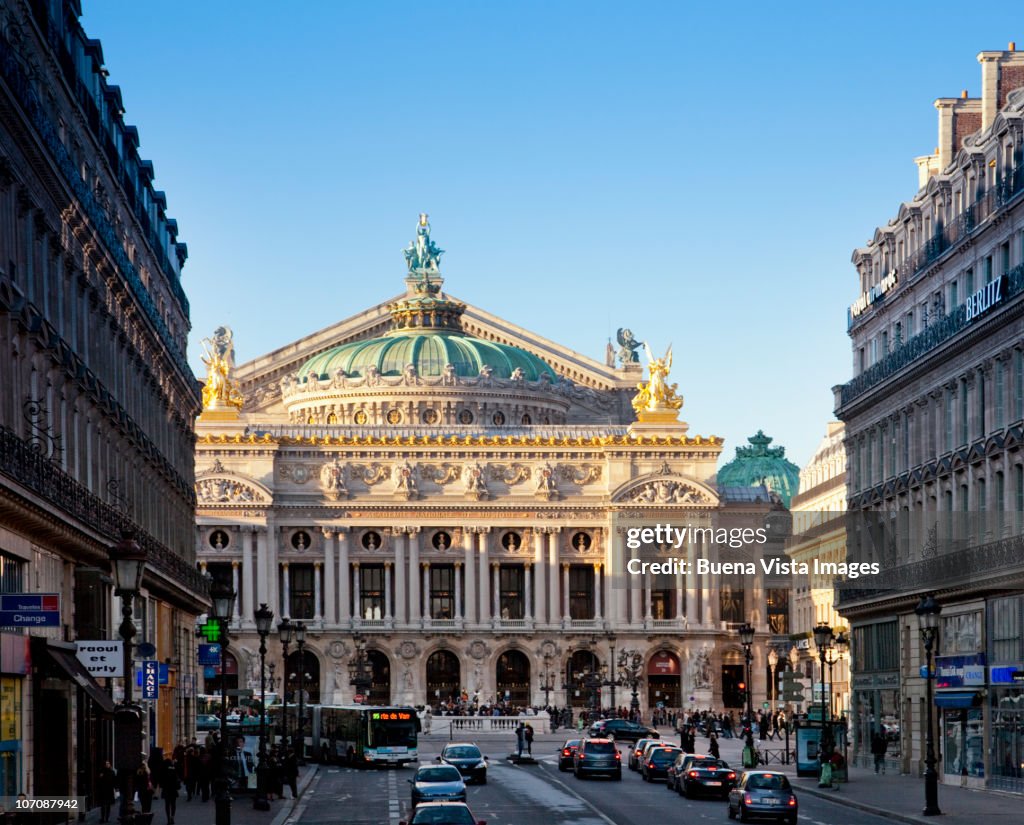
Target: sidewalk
893,796
242,812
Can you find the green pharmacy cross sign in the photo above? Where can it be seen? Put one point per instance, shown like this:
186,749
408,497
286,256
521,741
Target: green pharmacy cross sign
211,630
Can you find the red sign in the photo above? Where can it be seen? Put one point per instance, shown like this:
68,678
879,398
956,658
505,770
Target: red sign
663,663
358,698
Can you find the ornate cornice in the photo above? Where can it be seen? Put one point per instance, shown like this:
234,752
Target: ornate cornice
469,440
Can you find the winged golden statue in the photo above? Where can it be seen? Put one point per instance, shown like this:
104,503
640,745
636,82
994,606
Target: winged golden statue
220,391
657,400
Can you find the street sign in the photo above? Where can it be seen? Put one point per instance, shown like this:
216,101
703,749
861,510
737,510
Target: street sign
164,675
209,654
30,610
358,698
150,679
147,650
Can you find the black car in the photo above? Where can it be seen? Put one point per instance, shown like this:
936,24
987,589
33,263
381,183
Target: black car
656,763
437,783
708,776
674,777
598,756
467,758
637,751
763,794
443,813
623,730
568,754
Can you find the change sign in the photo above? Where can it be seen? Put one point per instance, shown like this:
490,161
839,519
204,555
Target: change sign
150,679
30,610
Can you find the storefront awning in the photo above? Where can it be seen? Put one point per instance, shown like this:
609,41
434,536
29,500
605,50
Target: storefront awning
957,699
69,663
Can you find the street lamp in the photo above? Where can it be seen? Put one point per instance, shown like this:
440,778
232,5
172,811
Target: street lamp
842,645
631,664
359,670
222,598
300,642
615,676
128,561
773,662
822,639
927,611
284,632
746,632
549,680
264,617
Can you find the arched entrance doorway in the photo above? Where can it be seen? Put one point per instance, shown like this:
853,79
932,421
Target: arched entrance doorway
443,677
734,680
664,683
513,677
212,683
580,664
303,673
380,687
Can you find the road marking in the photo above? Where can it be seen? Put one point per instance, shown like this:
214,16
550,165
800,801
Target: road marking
571,792
394,809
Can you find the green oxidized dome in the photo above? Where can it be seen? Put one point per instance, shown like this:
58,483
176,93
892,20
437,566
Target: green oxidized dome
429,351
760,464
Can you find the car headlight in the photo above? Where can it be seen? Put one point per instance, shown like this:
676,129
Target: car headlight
482,765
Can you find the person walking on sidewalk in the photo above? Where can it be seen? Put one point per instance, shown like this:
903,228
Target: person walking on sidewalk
290,772
879,745
528,735
713,748
520,739
171,785
106,779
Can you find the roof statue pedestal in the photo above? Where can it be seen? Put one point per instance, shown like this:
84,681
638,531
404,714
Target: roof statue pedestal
656,402
221,396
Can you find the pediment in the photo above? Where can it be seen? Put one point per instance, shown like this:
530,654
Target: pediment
666,488
217,485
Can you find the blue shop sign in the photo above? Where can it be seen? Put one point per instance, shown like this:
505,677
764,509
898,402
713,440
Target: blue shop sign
1003,674
960,671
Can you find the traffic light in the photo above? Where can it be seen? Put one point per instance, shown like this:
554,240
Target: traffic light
741,689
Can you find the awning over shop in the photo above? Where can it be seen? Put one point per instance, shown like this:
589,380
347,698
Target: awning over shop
957,699
68,662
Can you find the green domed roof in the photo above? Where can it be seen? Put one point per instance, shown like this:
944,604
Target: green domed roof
760,464
429,351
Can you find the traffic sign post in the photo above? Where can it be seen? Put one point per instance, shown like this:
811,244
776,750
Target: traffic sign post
793,687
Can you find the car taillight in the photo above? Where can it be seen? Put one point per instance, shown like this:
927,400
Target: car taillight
730,775
748,799
792,802
650,765
565,752
618,755
581,756
693,774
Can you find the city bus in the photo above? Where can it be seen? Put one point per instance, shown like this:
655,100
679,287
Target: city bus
363,735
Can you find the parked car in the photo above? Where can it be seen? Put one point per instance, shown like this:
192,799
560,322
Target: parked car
467,757
763,794
656,762
568,754
207,721
623,730
437,783
597,756
708,776
443,813
673,779
637,751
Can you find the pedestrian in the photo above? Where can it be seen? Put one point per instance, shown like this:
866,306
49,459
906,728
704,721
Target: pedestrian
143,786
170,785
879,745
191,771
290,772
105,782
528,734
203,774
713,748
274,787
520,739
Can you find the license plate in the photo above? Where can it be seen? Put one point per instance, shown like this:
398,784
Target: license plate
771,801
714,784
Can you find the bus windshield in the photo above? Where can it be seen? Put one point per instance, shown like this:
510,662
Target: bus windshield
392,734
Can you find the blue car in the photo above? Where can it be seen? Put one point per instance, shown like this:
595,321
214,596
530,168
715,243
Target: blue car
437,783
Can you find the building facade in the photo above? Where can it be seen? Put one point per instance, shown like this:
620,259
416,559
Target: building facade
97,405
934,417
457,494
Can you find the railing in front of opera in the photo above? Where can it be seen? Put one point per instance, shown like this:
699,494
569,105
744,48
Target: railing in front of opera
540,722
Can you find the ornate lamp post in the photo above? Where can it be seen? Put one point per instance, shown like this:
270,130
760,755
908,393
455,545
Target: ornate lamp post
822,640
794,659
284,632
359,670
927,611
841,644
300,642
615,676
631,664
128,561
264,617
746,633
222,597
549,680
773,691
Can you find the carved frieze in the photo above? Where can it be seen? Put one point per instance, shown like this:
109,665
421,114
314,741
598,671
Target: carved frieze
226,491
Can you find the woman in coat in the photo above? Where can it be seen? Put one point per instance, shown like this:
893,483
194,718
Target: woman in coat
143,786
106,780
170,785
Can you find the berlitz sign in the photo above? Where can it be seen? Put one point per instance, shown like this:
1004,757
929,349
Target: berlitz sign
887,284
985,298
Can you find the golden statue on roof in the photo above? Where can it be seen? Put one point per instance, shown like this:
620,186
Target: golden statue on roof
220,392
657,400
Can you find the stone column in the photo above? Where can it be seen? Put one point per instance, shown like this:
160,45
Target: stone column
345,605
597,592
238,592
692,617
329,614
680,590
633,583
426,590
757,610
485,580
540,613
263,569
496,590
357,594
273,582
318,607
648,606
458,592
468,540
398,536
286,608
247,607
552,574
618,570
707,585
387,591
566,612
528,597
415,611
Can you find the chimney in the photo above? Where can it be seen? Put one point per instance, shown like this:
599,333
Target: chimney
989,86
958,118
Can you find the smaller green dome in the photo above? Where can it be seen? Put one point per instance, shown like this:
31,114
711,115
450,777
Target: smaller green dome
760,464
430,351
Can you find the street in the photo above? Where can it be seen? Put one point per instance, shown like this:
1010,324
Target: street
534,794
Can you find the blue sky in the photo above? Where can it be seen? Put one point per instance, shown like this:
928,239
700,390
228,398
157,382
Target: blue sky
700,174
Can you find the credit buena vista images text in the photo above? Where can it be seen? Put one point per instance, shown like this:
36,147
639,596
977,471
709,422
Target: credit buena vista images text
771,567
